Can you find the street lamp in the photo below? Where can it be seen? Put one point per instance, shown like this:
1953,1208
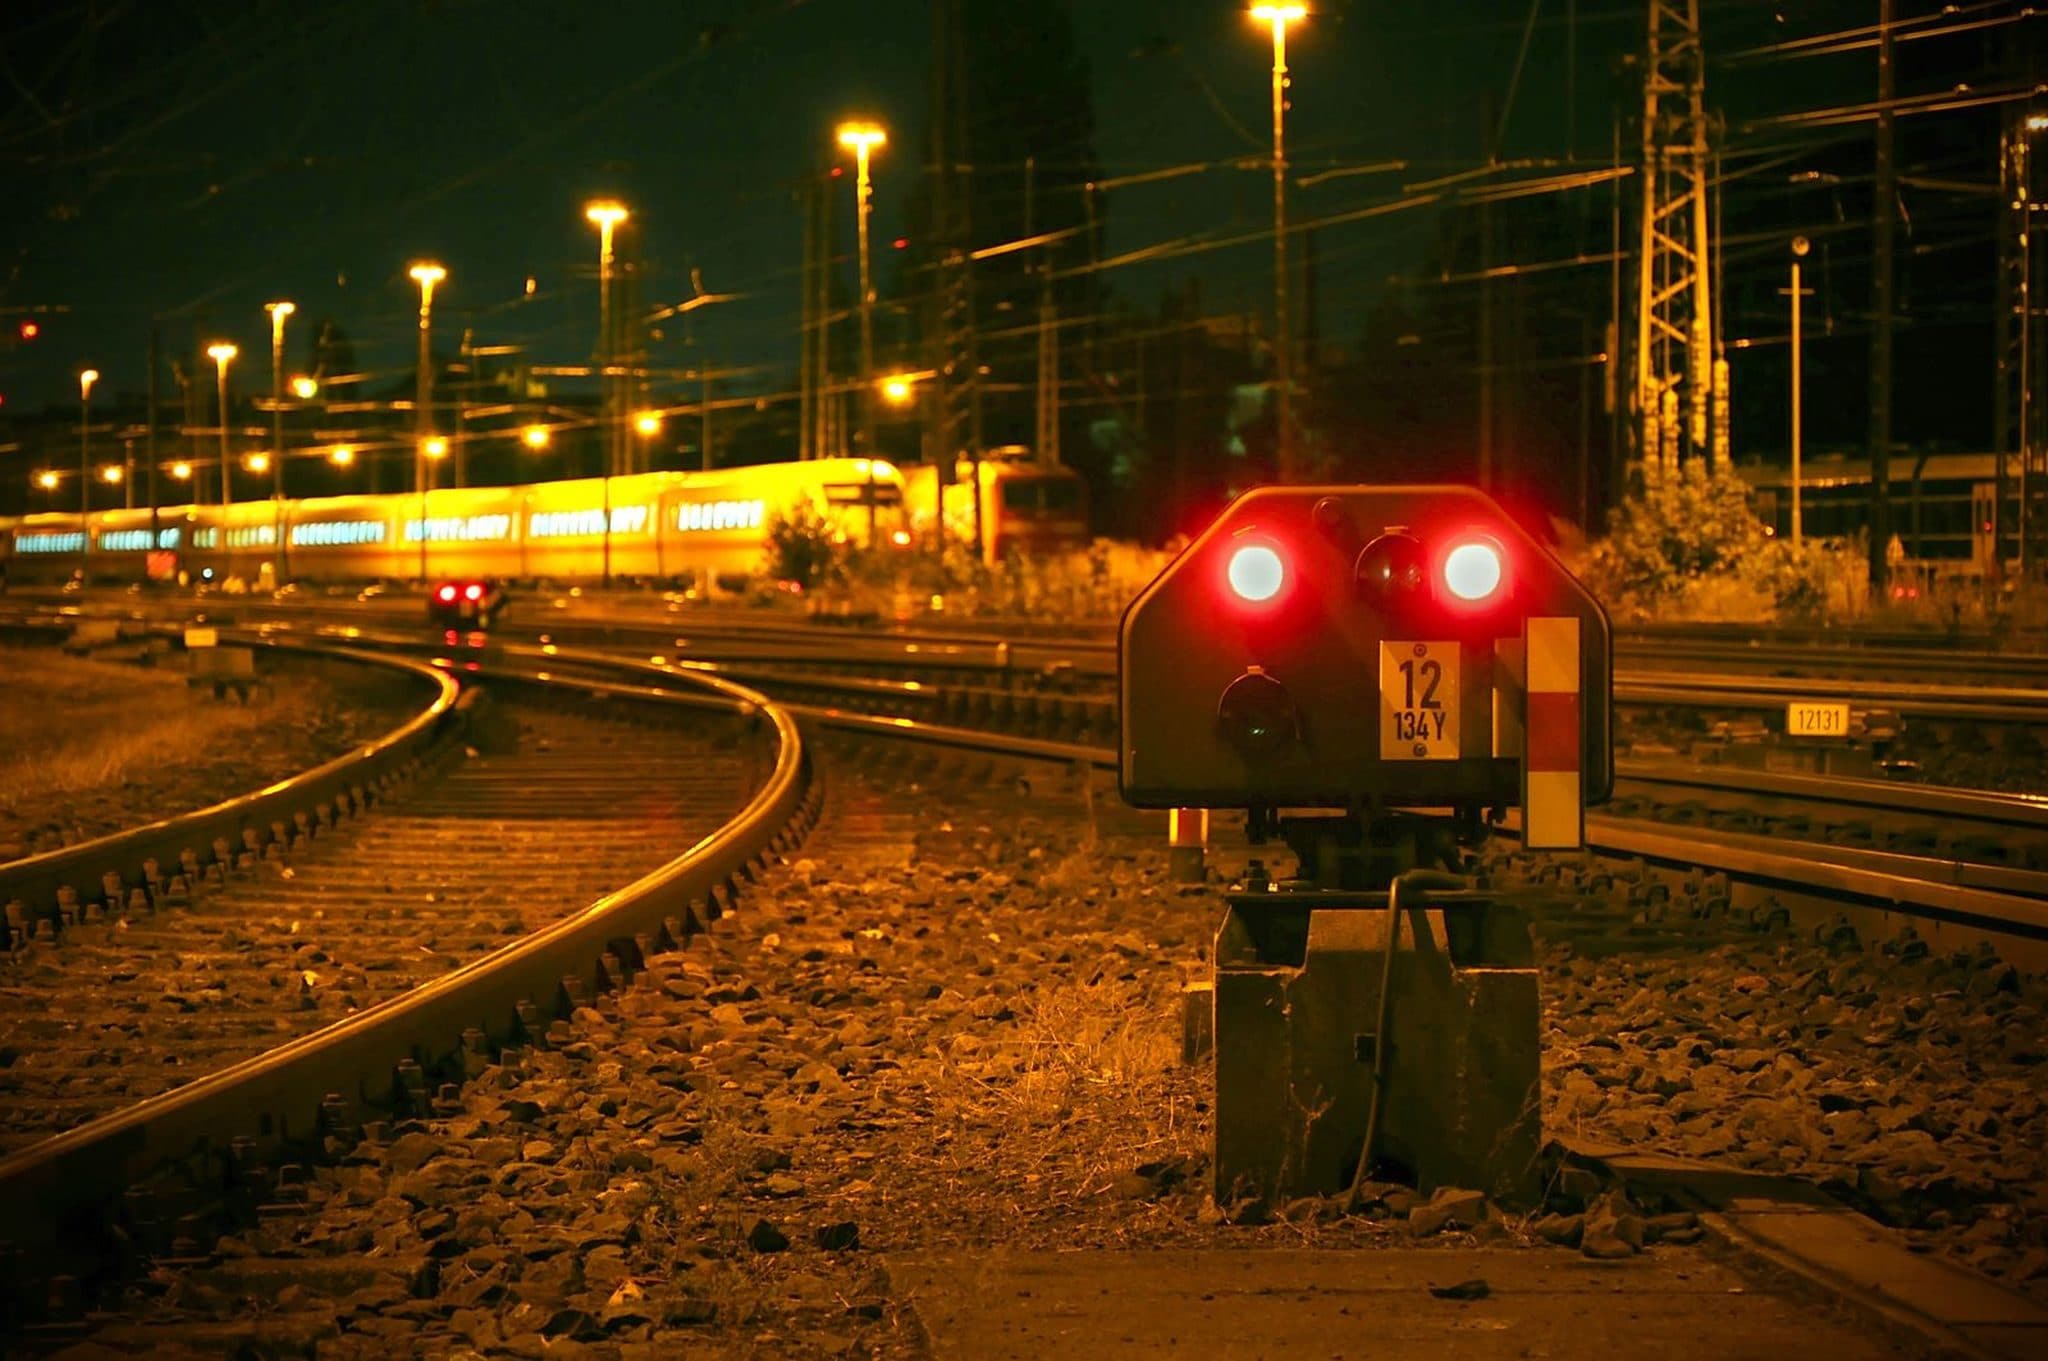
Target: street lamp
278,312
648,424
111,474
536,437
221,353
342,455
897,389
181,471
1280,16
47,480
426,274
1799,249
86,379
305,388
862,138
606,214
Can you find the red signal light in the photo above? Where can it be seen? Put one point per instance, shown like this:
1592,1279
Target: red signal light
473,592
1474,570
1256,573
446,595
29,330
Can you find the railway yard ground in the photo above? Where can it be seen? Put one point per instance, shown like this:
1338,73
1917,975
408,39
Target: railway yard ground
91,746
925,1086
922,1092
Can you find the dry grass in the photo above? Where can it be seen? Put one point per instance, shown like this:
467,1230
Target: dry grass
68,726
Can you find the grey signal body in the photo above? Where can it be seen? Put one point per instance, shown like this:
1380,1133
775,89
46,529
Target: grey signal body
1293,702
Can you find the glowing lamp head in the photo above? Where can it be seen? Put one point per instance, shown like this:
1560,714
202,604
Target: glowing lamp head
341,455
535,437
1256,573
257,463
605,213
1279,15
85,381
861,136
182,471
1473,571
111,474
648,423
434,447
305,388
220,352
47,481
426,274
896,390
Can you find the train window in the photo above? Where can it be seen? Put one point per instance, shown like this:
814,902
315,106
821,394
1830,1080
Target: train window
1041,493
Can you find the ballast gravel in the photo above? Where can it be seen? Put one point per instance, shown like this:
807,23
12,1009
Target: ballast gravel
951,1019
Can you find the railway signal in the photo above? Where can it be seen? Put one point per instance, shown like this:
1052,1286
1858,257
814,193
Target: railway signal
1375,676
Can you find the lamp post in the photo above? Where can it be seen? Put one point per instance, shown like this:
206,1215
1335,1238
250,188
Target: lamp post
862,138
1799,249
1280,16
222,353
606,215
86,379
426,274
278,312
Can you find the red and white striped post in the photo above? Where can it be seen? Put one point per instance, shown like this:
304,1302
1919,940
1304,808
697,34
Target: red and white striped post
1553,786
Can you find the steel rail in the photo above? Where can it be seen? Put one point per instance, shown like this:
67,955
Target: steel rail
106,870
64,1194
2029,811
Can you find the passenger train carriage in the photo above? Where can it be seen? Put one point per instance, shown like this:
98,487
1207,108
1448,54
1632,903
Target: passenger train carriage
1941,506
706,527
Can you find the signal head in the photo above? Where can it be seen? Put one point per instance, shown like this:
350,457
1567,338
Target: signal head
1276,663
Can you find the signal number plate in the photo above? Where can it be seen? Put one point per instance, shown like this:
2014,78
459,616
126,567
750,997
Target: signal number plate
1813,718
1418,701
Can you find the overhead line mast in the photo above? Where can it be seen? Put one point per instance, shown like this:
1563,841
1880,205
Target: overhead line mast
1681,373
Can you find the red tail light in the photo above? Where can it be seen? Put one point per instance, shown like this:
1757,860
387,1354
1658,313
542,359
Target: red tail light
1256,573
473,591
446,595
1474,570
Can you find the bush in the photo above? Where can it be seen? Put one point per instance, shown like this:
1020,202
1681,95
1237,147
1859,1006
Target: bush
1691,549
805,547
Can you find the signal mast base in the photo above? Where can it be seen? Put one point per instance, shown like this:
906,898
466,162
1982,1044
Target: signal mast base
1387,1028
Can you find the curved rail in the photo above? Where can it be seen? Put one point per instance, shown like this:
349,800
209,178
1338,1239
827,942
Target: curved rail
64,1194
105,873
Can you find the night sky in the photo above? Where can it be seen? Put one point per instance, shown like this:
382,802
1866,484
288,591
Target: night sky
195,160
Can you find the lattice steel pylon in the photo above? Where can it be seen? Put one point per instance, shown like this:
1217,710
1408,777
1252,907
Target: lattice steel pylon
1680,400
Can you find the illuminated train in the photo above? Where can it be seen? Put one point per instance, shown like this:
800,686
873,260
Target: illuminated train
707,528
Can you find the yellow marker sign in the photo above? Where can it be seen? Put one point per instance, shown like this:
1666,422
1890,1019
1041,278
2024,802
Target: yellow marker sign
1418,701
198,637
1815,718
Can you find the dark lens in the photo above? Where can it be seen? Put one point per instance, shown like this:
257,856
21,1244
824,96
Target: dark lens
1256,715
1392,568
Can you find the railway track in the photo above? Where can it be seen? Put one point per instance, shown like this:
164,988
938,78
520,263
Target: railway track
480,848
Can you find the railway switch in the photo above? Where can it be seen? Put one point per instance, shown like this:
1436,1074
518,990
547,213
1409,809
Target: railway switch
1376,676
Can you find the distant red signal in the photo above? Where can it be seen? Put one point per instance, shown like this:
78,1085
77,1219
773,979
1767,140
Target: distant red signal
446,595
473,591
30,330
